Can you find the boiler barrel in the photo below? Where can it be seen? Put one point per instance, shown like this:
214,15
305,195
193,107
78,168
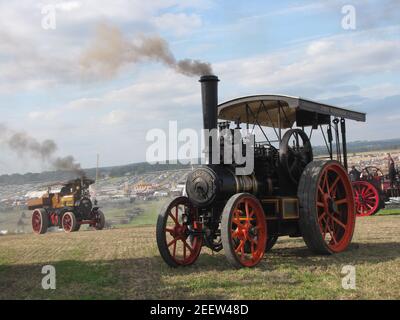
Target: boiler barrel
208,184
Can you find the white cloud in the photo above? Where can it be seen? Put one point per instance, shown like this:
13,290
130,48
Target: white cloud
115,117
321,65
68,5
33,58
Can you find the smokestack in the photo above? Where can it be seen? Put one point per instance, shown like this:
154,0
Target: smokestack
209,94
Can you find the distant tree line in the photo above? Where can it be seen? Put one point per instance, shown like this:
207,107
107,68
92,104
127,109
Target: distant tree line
144,167
363,146
117,171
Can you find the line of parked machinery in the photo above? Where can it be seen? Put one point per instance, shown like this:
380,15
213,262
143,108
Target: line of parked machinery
373,189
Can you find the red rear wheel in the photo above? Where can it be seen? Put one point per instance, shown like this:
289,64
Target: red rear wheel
243,230
179,233
327,215
366,197
40,221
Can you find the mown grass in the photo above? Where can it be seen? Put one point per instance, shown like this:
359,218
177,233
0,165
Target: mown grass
125,264
387,212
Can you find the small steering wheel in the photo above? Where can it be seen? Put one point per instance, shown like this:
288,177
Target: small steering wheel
371,172
295,153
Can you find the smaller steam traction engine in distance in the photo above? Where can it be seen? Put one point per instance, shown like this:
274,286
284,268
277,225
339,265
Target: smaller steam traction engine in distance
69,208
372,189
287,194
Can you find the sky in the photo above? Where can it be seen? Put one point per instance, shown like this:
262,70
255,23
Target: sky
298,48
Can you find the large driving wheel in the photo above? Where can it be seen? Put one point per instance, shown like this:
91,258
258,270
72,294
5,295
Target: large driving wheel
366,197
295,153
243,230
68,222
40,221
179,233
327,211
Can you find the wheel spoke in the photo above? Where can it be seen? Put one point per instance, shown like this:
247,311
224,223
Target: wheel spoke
184,249
340,223
342,201
247,209
173,218
172,242
174,250
188,246
333,186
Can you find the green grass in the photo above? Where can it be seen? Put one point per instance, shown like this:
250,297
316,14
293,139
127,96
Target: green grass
389,212
125,264
150,213
148,217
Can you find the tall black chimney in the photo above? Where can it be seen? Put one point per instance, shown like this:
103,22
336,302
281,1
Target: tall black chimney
209,95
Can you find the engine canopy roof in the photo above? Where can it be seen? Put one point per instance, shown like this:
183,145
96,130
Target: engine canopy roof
281,111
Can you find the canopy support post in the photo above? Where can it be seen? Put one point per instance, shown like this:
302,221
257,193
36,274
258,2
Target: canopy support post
344,142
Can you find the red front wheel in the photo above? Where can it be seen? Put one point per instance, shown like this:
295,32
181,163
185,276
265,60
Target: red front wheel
244,230
68,222
179,233
366,197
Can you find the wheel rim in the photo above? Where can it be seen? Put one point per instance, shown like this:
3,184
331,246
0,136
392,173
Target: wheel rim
36,221
366,198
180,228
248,232
335,207
67,223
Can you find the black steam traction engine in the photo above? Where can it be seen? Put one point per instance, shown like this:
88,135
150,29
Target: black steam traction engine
372,189
287,194
69,208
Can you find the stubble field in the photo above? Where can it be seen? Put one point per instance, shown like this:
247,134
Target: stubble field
125,264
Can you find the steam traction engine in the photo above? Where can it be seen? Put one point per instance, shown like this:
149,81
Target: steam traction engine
372,189
287,193
69,209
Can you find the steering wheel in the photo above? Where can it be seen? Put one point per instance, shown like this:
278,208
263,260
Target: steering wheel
371,172
295,152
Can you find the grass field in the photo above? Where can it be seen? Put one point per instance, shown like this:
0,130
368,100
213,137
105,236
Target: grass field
125,264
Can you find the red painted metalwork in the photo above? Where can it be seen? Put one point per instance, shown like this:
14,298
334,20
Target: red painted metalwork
366,198
36,221
248,231
183,248
335,208
67,222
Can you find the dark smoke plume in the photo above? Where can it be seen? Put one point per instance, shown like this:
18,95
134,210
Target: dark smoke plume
25,145
110,51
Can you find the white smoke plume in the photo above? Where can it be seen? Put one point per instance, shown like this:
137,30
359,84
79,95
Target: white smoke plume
110,50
